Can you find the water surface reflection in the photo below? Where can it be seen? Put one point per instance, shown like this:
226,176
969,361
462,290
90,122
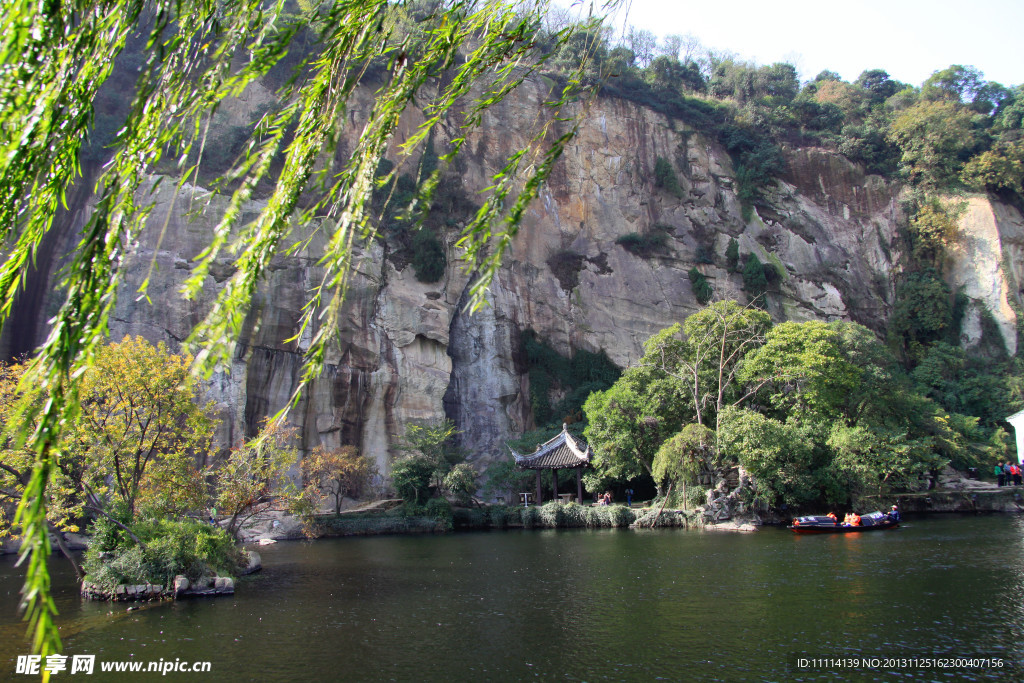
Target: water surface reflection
584,606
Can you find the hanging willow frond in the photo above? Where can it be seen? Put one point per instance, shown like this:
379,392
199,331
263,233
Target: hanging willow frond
54,57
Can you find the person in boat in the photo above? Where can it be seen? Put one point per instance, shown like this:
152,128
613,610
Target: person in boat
852,519
894,514
833,517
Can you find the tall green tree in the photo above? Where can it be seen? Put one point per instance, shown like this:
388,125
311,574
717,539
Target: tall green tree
627,424
780,455
800,368
141,409
434,444
687,455
688,374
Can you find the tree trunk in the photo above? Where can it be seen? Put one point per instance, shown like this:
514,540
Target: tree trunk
662,508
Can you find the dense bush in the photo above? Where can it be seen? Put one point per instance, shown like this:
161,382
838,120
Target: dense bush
732,254
441,510
411,477
705,254
572,515
169,548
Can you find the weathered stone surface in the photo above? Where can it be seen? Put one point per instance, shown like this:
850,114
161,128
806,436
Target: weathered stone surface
985,263
254,564
408,351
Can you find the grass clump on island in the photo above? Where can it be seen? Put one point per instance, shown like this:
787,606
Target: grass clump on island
159,551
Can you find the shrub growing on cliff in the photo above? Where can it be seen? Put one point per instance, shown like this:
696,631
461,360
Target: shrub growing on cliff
644,246
428,259
566,267
935,139
705,254
576,377
933,230
732,254
700,286
754,280
665,177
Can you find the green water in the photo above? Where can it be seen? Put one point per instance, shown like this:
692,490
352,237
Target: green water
581,606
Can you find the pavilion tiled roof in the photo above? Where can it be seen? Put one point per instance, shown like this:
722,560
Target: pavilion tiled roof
562,452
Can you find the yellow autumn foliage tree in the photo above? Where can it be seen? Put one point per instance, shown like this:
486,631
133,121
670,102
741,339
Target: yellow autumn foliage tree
142,433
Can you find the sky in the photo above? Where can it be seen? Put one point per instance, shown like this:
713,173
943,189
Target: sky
909,39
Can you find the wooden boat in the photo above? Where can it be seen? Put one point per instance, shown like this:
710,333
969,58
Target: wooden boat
875,521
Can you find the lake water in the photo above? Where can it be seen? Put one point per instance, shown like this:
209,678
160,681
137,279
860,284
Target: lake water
604,605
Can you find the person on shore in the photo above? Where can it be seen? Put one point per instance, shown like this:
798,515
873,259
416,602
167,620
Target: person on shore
1000,477
1007,476
1016,474
629,497
607,500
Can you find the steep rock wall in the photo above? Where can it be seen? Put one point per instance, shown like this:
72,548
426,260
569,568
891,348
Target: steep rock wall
409,351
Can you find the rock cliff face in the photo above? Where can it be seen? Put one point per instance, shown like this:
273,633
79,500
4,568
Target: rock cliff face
409,351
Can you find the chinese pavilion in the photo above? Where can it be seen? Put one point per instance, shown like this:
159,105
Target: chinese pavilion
564,452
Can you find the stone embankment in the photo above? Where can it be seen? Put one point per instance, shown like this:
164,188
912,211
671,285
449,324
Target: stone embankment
953,492
181,588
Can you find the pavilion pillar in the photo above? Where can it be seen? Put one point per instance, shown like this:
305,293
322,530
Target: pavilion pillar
554,485
538,487
579,487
